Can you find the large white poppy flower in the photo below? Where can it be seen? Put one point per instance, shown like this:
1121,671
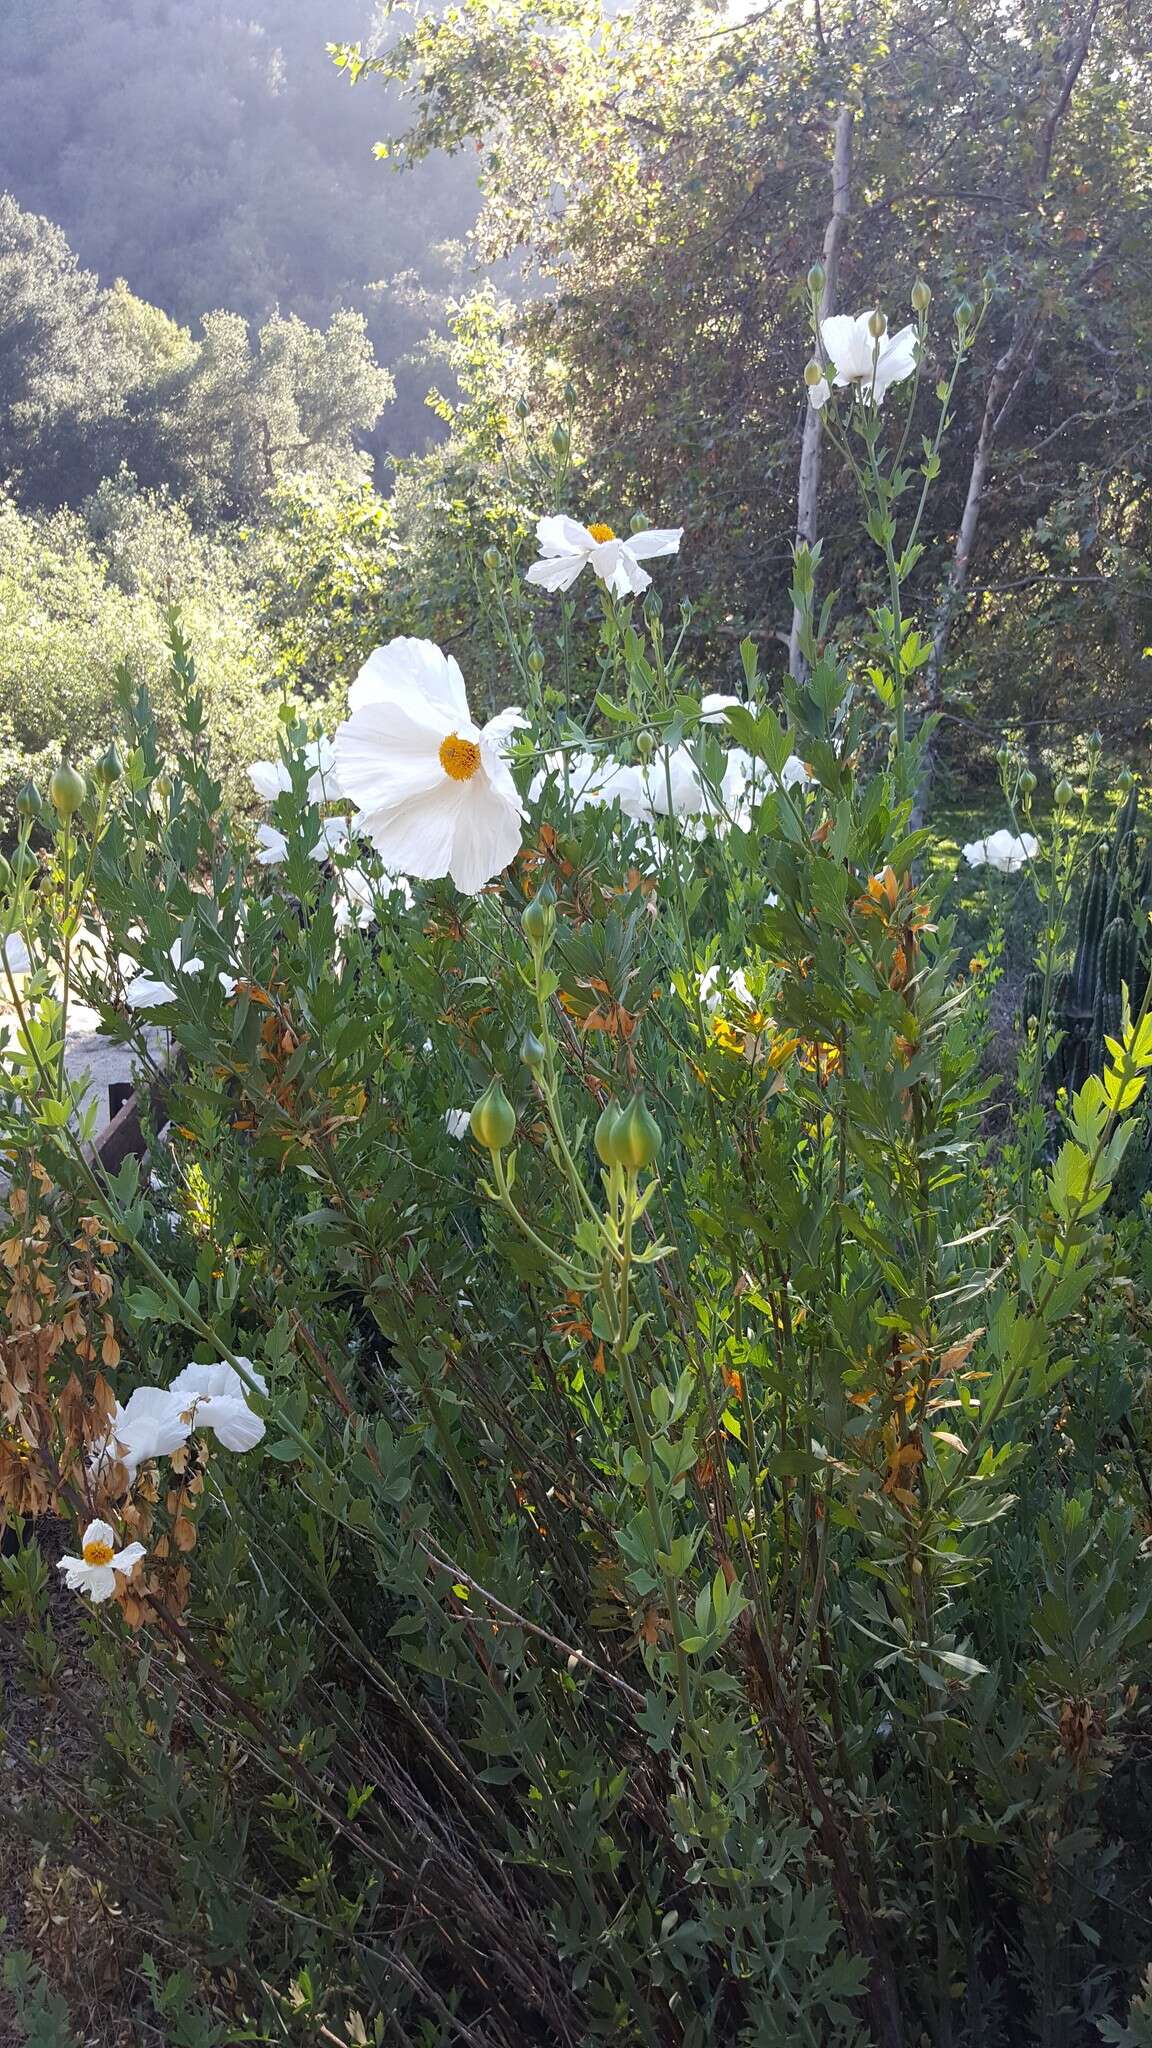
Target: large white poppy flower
434,792
857,360
565,547
215,1397
146,992
149,1425
668,785
94,1571
1002,850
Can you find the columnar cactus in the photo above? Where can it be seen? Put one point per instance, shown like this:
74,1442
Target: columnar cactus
1113,950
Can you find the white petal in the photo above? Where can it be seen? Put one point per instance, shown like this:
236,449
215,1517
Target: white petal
273,846
655,540
126,1558
487,835
560,535
99,1532
220,1378
819,394
17,958
407,669
457,1122
234,1423
99,1582
144,992
270,779
415,835
556,572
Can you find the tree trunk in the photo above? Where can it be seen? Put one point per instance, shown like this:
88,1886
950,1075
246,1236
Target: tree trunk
811,447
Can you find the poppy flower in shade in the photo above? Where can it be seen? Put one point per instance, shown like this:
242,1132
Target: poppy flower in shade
17,959
566,546
94,1571
148,992
457,1122
149,1425
1003,850
272,845
434,792
215,1397
859,359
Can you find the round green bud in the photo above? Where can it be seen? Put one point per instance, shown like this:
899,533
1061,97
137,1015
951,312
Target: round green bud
602,1136
163,786
921,296
645,744
531,1051
491,560
67,790
1028,783
1125,782
29,801
1063,793
538,918
813,374
964,313
817,279
636,1136
638,522
877,325
570,395
109,768
536,661
521,408
493,1118
561,440
24,864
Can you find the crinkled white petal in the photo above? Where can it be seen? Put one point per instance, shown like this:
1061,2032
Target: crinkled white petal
273,846
408,669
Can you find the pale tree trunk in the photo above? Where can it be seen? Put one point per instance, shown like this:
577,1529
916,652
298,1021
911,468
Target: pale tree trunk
1009,376
811,447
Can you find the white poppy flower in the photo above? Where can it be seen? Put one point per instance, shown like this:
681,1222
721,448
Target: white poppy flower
434,792
215,1397
149,1425
17,958
458,1122
1002,850
718,982
565,547
271,779
357,894
667,785
147,992
592,779
333,836
714,704
273,846
858,360
94,1571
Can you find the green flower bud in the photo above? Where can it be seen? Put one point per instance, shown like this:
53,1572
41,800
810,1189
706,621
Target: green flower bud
1063,793
24,864
605,1132
561,440
636,1137
29,801
67,789
538,918
638,522
491,560
877,325
1125,782
1028,784
921,296
817,279
521,408
570,396
493,1118
645,744
964,313
536,661
109,768
813,374
163,786
531,1051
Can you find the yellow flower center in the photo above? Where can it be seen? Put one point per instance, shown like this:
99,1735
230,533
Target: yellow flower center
459,758
97,1552
600,533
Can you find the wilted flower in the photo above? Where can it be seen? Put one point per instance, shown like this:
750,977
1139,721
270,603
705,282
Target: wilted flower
149,1425
215,1397
1006,851
565,547
859,359
436,796
94,1571
147,992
